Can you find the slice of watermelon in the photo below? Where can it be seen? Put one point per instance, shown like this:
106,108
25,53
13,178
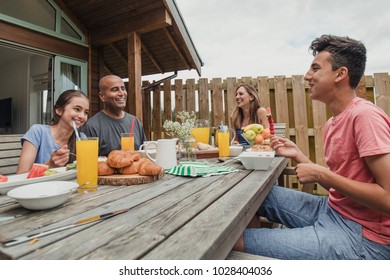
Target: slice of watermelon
3,178
37,170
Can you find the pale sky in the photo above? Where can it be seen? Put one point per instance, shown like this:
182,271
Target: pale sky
271,37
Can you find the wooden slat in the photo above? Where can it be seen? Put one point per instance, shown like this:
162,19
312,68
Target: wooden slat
134,65
179,100
167,101
203,99
263,91
10,149
190,94
217,105
10,153
382,91
6,170
10,146
147,112
319,119
9,161
10,138
281,102
156,115
300,114
231,86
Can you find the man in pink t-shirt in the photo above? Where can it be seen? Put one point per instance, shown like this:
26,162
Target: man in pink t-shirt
354,222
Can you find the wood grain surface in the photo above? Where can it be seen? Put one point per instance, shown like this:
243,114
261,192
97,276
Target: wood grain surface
127,180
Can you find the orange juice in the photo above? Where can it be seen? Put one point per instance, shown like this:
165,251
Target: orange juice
223,143
201,134
127,141
87,162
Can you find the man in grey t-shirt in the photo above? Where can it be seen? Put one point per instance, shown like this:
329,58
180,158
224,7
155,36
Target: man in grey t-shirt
112,120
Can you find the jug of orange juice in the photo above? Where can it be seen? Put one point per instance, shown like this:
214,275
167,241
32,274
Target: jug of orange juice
231,132
223,136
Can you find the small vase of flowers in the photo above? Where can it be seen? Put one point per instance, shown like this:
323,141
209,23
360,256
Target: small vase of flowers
181,129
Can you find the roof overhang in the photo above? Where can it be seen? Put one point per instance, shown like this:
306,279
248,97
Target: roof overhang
165,40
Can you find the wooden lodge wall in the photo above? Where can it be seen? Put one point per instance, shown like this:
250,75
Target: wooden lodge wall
214,99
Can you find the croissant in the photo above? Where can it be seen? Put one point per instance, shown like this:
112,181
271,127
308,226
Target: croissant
105,169
119,159
133,154
131,169
149,169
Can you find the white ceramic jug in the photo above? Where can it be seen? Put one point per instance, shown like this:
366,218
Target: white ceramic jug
166,152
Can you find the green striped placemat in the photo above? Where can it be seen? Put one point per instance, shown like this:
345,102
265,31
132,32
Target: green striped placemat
195,169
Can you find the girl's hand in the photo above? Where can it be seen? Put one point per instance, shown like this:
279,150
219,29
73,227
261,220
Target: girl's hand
60,157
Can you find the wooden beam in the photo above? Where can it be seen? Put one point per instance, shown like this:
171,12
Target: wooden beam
152,58
147,22
177,48
134,94
118,52
22,36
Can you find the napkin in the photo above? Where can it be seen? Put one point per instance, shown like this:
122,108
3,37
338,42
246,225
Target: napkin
195,169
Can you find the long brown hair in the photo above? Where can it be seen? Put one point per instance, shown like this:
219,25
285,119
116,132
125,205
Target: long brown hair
237,115
64,99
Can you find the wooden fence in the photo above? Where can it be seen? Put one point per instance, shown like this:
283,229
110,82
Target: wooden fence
214,100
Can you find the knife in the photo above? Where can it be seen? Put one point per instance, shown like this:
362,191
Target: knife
10,217
24,238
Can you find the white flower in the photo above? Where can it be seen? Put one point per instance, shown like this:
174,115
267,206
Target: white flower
183,128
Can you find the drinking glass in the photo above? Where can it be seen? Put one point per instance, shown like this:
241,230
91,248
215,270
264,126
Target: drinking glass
127,141
87,163
201,131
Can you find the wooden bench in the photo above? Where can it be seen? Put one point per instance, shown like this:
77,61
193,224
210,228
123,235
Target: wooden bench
10,149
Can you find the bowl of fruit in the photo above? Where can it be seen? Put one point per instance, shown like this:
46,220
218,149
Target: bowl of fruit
257,134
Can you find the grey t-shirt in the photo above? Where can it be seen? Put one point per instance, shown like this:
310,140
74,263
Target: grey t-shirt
109,131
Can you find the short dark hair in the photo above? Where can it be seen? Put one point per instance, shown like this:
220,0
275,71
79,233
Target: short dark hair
344,52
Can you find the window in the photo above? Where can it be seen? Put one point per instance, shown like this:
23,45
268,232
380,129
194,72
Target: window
43,16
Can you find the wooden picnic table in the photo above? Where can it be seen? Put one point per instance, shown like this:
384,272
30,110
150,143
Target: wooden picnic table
172,218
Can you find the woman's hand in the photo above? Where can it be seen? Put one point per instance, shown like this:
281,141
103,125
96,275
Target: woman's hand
60,157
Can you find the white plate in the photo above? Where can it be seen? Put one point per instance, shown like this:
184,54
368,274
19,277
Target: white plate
43,195
21,179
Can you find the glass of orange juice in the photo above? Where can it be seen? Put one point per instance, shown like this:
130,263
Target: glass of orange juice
201,131
87,163
127,141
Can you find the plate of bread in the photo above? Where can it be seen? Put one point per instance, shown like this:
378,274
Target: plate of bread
126,167
204,150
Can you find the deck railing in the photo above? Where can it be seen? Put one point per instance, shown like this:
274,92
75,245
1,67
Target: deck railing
214,99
